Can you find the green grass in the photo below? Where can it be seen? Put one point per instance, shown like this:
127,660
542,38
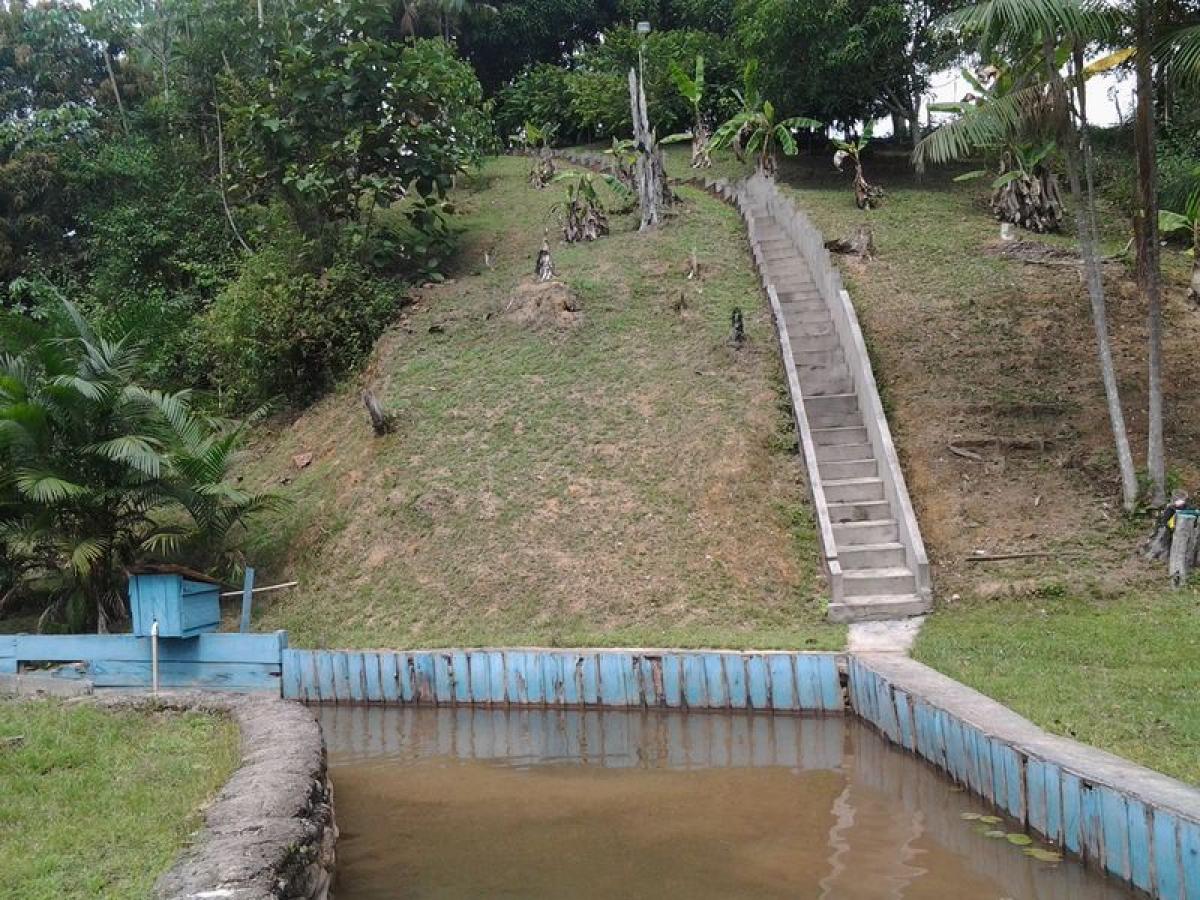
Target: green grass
629,479
98,803
1122,674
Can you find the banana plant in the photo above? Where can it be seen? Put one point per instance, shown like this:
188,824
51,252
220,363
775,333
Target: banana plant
584,214
536,140
866,195
692,89
1188,220
760,132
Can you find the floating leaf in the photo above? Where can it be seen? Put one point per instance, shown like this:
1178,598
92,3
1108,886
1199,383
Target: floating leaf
991,820
972,817
995,834
1043,855
1021,840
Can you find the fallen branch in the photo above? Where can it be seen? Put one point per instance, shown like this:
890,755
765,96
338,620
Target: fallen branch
1024,554
965,454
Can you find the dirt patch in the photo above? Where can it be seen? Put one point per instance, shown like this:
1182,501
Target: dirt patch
543,303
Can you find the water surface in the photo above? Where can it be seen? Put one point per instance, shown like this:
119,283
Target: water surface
477,803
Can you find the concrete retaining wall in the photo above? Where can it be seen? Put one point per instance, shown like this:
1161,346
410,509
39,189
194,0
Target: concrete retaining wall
270,834
1138,825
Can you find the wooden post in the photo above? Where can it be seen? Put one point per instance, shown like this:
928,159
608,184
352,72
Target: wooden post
247,599
1183,548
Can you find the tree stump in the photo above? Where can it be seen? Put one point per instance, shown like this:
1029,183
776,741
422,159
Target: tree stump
1184,546
381,422
859,242
650,175
544,266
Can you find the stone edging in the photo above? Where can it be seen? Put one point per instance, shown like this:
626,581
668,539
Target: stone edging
1136,824
270,834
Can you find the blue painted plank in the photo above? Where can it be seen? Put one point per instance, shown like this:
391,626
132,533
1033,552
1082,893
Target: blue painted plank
1035,794
496,676
572,680
219,676
808,687
672,680
612,683
983,756
695,694
1168,876
552,677
589,679
308,677
1139,844
1189,858
974,764
735,680
999,773
783,681
461,676
408,677
356,679
1115,828
1072,812
758,685
389,677
956,750
831,684
1014,781
373,677
1091,820
425,677
219,647
714,680
341,678
515,677
479,668
535,692
1052,781
292,664
325,677
443,678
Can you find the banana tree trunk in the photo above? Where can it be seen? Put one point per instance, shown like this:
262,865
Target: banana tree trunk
1032,202
700,138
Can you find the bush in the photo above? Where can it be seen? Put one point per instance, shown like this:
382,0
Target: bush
539,95
285,329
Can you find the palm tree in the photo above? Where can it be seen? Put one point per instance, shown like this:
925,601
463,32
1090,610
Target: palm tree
99,473
1059,29
757,130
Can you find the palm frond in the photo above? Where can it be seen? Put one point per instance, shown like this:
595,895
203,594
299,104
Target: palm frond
1180,53
136,451
984,127
46,487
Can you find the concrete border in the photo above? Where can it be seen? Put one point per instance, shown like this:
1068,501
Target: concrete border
270,834
1138,825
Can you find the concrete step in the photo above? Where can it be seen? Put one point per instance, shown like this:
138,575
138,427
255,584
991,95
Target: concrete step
836,470
818,357
823,437
800,343
847,403
885,554
875,531
853,490
833,419
799,330
879,582
848,451
806,315
867,609
820,385
815,376
859,511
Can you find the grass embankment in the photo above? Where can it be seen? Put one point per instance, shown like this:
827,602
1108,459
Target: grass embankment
997,357
619,476
98,803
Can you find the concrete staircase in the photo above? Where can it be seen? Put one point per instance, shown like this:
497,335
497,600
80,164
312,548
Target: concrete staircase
873,551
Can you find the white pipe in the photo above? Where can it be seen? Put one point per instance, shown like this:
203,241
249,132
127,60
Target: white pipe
261,590
154,656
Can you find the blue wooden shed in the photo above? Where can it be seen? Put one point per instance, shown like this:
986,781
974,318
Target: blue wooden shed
184,603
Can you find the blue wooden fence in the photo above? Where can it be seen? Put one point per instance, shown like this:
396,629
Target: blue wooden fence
231,662
793,682
1151,847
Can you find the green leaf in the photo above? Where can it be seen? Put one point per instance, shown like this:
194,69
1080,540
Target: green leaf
1169,221
972,175
991,820
1006,178
1043,855
1020,840
994,834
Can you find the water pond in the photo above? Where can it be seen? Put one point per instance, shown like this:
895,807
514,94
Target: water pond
474,803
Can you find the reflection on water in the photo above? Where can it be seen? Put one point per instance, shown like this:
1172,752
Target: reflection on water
466,803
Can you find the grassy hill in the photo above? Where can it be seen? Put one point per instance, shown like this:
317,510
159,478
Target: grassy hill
617,475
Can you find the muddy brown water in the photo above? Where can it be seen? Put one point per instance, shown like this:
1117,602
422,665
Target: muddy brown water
478,803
